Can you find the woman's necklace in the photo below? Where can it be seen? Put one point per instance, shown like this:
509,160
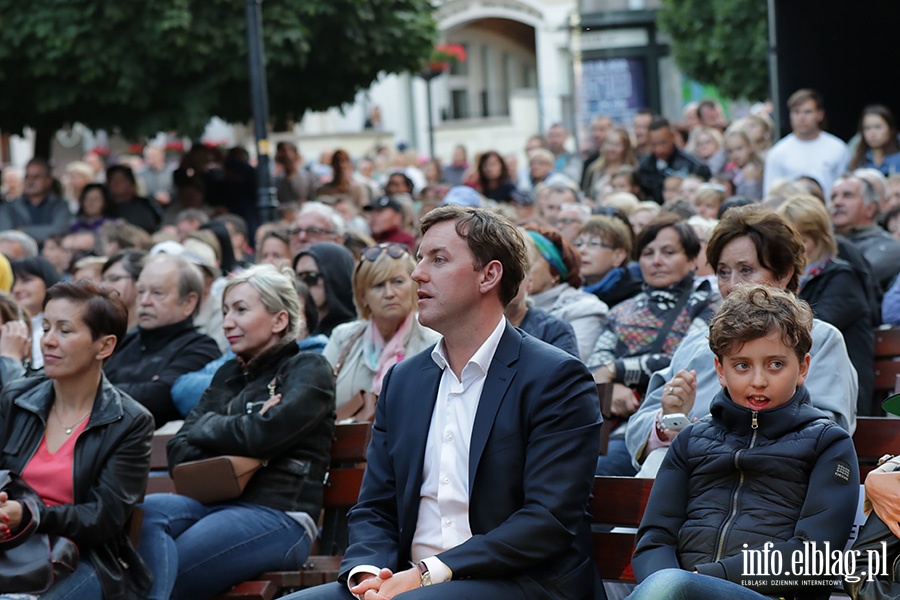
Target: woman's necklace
71,428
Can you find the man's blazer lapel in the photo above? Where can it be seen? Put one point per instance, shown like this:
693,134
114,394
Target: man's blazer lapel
499,376
422,395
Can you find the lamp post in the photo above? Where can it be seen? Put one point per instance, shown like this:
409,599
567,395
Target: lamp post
439,63
260,99
428,74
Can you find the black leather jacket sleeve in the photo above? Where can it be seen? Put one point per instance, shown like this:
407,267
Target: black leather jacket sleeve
221,425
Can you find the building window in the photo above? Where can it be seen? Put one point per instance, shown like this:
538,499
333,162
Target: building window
459,100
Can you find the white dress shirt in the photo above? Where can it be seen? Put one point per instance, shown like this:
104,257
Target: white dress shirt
443,520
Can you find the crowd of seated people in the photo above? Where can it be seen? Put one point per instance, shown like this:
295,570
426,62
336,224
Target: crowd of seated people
628,252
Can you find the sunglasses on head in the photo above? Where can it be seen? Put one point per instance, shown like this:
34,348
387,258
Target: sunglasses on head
393,250
310,278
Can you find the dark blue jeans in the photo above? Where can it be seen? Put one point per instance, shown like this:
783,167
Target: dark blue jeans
197,551
677,584
616,461
83,584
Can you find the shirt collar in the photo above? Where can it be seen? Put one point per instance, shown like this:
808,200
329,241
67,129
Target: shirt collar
482,357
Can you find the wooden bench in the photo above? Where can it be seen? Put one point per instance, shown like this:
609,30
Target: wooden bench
874,437
342,484
887,362
160,482
617,506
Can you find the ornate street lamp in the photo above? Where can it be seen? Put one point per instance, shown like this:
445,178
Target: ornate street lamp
439,63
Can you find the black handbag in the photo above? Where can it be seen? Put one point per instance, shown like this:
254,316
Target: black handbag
878,587
31,562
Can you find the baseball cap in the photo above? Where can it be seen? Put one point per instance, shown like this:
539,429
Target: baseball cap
385,202
202,255
463,195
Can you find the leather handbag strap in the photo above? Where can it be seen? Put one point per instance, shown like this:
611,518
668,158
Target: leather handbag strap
660,341
346,352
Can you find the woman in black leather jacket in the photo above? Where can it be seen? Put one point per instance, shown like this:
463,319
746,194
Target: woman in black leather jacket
83,445
272,402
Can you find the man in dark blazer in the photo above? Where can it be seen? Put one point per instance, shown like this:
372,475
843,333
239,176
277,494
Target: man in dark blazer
483,450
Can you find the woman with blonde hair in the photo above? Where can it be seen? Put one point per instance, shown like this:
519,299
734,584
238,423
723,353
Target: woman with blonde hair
387,331
834,289
707,144
271,402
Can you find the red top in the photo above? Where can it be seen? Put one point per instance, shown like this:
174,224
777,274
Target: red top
397,236
51,475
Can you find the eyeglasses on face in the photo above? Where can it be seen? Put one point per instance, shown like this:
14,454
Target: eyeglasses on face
310,278
592,244
115,278
310,231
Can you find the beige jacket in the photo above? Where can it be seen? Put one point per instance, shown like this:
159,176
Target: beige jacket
355,374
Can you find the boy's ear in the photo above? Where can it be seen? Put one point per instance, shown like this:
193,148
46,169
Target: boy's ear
804,370
720,372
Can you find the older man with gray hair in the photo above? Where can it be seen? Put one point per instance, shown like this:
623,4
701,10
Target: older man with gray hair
165,344
16,245
316,222
854,210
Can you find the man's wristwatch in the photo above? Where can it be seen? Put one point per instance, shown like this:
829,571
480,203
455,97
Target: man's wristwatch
424,574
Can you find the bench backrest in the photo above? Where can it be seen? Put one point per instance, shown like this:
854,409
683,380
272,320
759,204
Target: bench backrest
617,506
874,437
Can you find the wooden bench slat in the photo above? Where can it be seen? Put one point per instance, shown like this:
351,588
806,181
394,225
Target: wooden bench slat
620,501
250,590
886,372
342,487
351,441
160,483
158,458
316,571
887,342
876,436
617,502
612,555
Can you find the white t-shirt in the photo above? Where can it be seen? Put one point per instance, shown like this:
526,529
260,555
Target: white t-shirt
824,158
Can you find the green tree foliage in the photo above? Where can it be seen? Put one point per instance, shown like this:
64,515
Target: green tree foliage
145,66
720,42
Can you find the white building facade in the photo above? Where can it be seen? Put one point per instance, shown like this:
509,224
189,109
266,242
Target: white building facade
516,81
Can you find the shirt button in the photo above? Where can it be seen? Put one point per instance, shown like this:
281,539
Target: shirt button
449,437
448,522
445,480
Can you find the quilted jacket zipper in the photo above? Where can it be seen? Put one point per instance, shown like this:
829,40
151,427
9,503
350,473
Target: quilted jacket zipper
735,495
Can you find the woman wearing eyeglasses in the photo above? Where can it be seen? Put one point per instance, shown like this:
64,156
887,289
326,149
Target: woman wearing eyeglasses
327,268
120,273
361,352
604,244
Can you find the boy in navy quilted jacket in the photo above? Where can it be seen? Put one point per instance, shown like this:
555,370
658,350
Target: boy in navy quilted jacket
747,495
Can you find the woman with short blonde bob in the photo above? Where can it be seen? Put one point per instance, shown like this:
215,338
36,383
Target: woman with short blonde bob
387,331
272,402
834,289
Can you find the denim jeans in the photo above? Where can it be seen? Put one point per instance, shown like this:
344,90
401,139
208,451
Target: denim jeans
83,584
677,584
616,461
197,551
